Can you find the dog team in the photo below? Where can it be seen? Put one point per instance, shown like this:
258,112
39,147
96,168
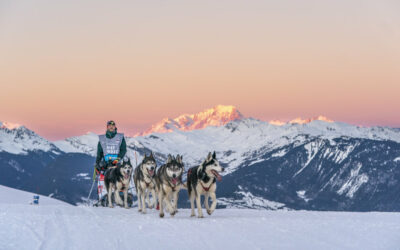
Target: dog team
165,183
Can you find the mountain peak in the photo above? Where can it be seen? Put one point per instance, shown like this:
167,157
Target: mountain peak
9,125
300,120
216,116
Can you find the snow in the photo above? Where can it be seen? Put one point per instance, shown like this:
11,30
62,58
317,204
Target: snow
397,159
16,139
237,142
81,176
86,144
249,200
9,125
216,116
18,197
240,137
67,227
302,194
56,225
354,182
312,150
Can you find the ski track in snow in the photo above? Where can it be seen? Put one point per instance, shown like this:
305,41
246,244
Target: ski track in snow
69,227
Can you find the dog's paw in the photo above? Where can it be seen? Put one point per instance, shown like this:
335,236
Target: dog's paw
192,215
144,212
139,210
126,207
209,211
161,215
150,206
110,206
200,216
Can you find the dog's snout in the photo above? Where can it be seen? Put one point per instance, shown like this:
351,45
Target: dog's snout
152,168
174,176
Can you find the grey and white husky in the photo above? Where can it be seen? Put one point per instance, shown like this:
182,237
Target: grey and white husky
169,182
145,183
201,180
117,179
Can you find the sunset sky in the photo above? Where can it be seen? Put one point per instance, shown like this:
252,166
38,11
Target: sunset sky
66,67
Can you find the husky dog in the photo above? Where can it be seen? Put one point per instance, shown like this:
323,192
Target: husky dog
169,182
201,180
145,182
118,179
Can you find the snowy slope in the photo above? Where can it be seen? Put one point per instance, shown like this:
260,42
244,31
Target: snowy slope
66,227
86,144
17,197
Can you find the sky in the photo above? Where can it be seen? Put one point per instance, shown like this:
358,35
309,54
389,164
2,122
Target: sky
66,67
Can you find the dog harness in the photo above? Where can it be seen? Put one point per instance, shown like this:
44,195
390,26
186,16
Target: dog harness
172,187
206,188
147,184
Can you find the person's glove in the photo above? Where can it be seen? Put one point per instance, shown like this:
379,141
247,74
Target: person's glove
115,162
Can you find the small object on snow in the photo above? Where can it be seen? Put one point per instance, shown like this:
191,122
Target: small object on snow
35,200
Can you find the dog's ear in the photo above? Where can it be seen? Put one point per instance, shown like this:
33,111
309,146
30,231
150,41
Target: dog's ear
169,159
214,156
209,156
151,154
178,159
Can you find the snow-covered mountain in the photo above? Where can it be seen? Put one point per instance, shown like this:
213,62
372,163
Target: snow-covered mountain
302,164
17,139
217,116
236,141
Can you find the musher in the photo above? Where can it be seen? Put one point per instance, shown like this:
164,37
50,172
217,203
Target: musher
111,148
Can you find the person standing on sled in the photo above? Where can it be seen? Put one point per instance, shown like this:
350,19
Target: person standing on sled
111,148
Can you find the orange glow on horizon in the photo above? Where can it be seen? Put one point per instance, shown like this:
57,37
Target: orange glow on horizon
63,74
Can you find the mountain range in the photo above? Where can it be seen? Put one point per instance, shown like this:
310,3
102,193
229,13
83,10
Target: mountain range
311,164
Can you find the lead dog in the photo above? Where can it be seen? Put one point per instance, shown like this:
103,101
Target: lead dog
169,182
201,180
145,183
118,179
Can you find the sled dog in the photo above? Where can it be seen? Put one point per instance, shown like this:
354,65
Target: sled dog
169,182
117,179
145,183
201,180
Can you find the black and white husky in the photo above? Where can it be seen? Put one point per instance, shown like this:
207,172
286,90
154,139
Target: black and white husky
169,182
201,180
145,183
117,179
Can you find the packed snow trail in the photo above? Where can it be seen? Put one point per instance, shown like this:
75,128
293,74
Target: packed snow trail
68,227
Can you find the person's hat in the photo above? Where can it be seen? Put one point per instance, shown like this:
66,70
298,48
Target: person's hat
110,123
